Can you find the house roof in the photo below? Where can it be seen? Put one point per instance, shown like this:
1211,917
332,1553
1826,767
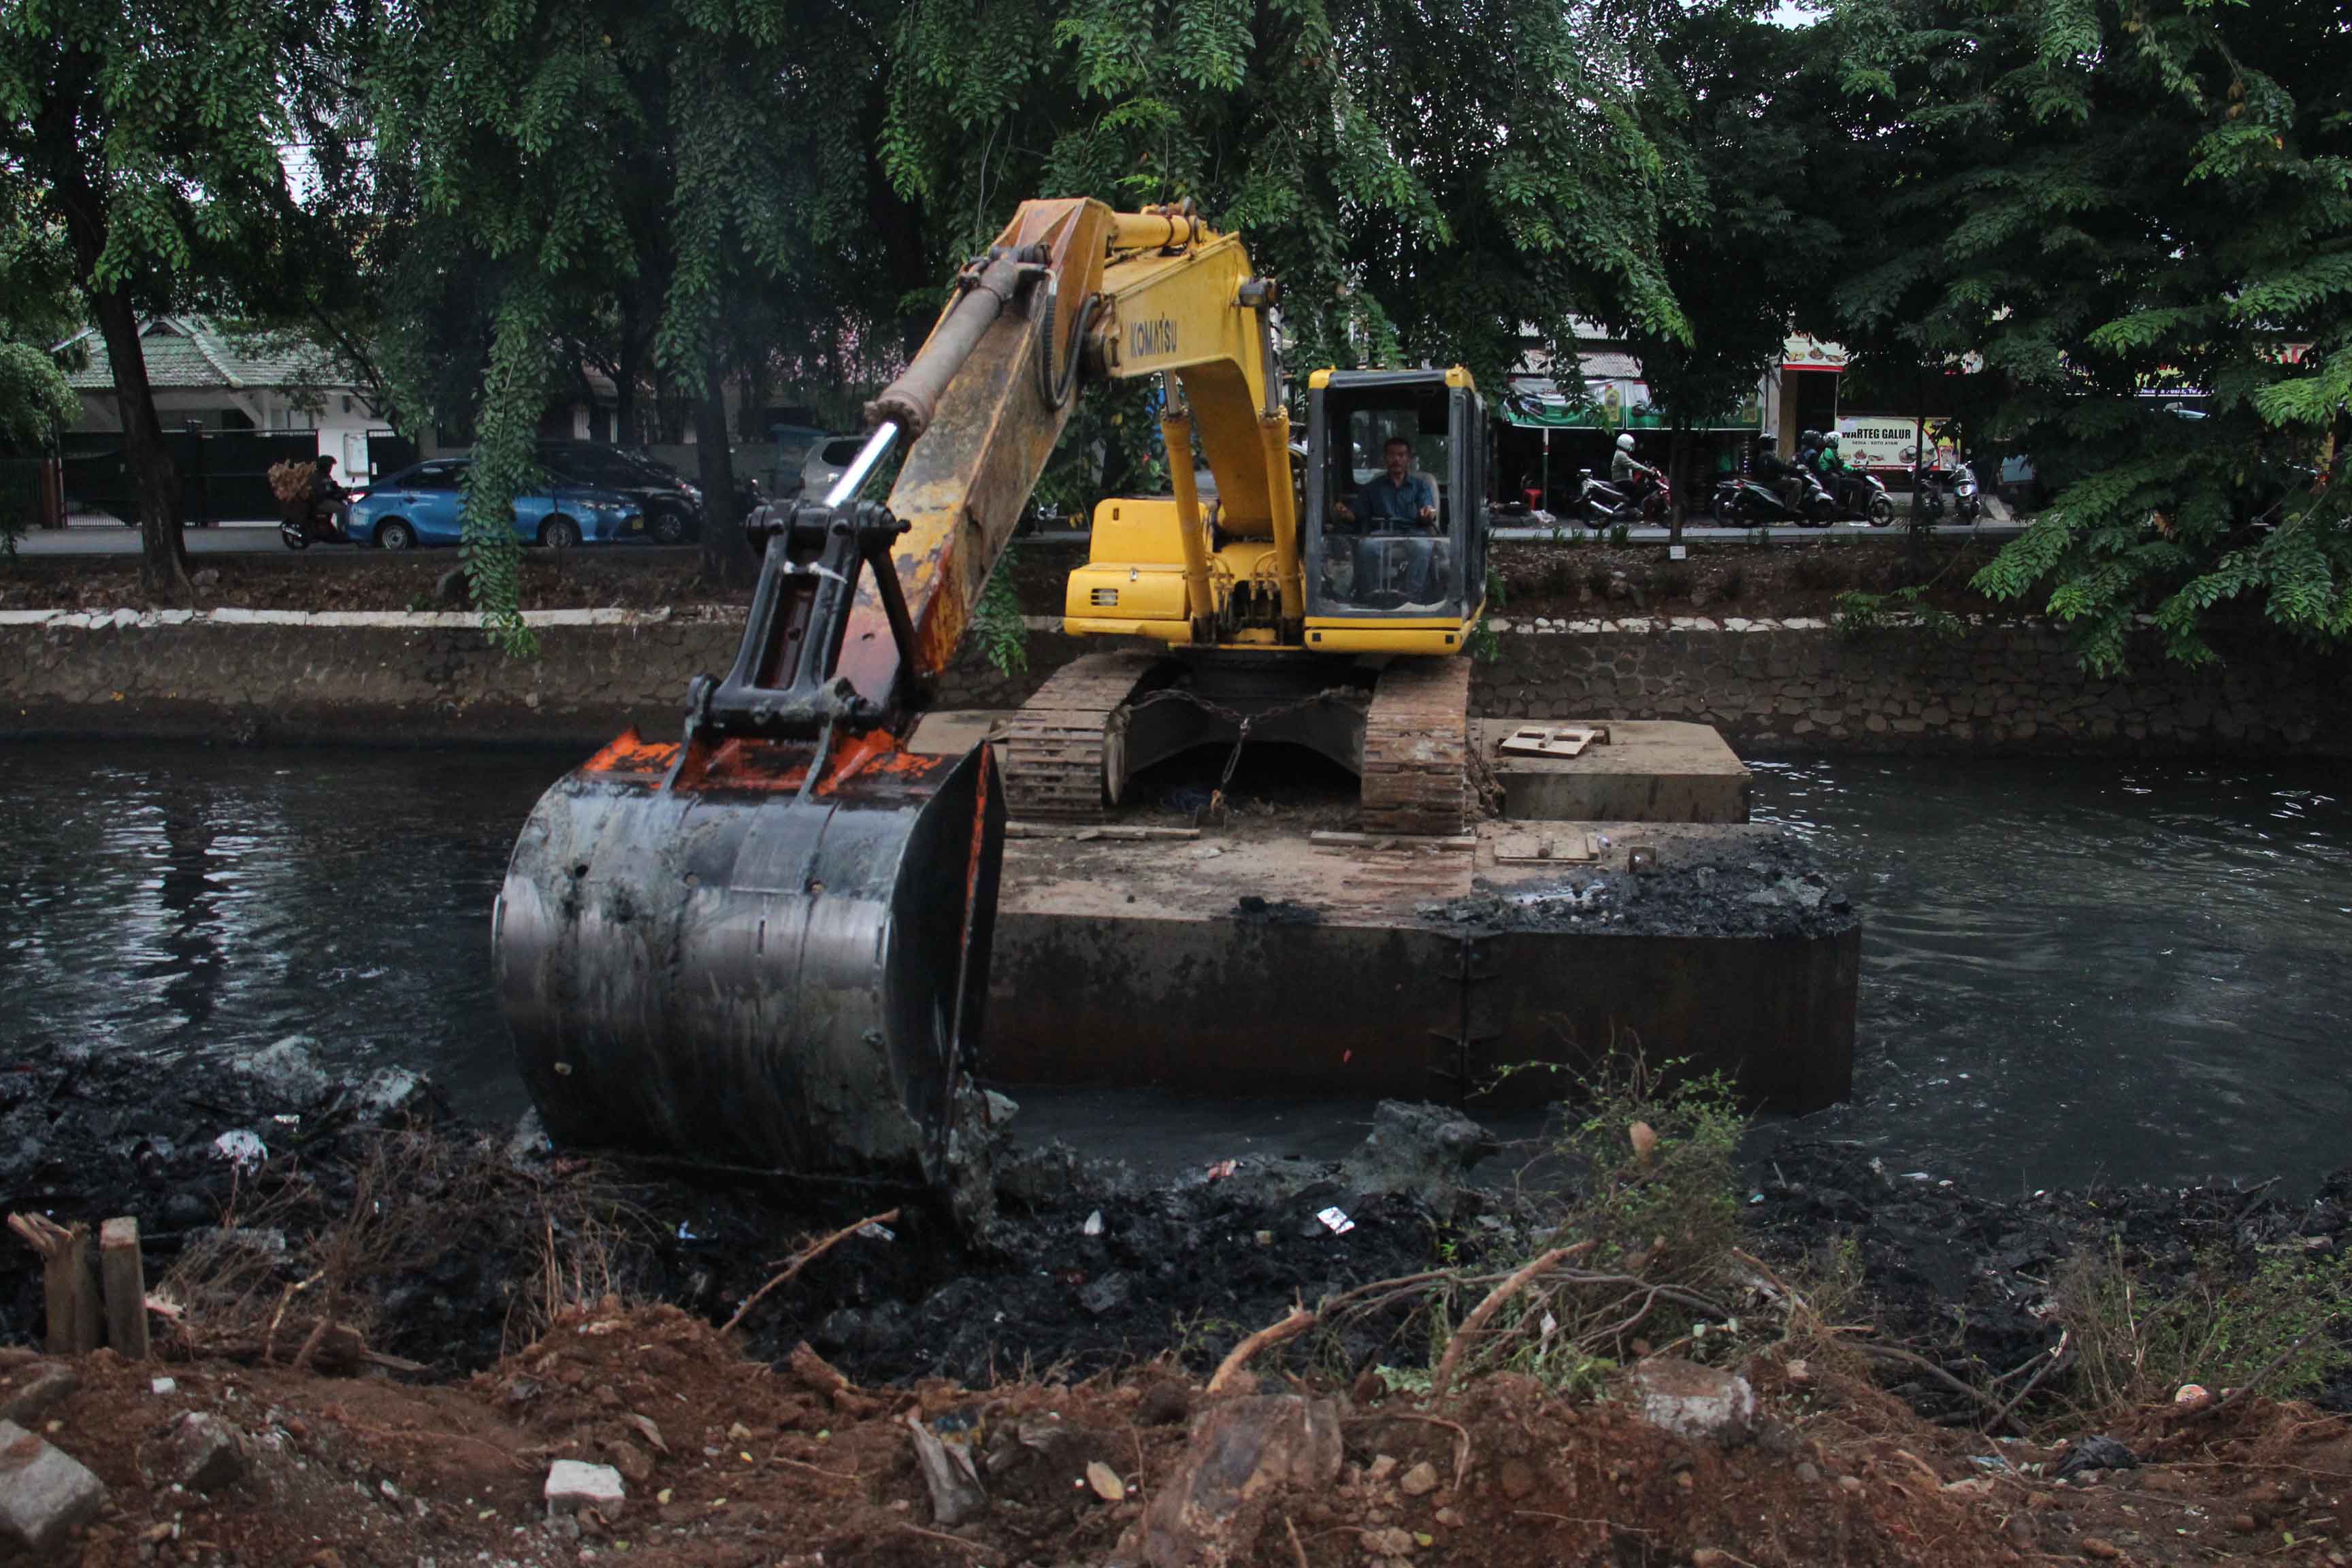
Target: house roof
187,352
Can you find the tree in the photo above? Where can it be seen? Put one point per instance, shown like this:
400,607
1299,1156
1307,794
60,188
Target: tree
1427,182
1744,246
2104,205
150,132
593,166
36,310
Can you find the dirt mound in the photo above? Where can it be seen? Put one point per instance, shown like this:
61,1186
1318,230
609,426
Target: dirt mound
729,1462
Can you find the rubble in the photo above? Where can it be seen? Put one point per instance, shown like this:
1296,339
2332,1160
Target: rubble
39,1389
1238,1449
199,1451
1694,1401
45,1492
572,1485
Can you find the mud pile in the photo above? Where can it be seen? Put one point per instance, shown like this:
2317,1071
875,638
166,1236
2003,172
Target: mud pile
706,1458
1753,885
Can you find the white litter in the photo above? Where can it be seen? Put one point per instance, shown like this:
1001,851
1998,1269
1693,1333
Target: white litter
240,1148
1094,1226
1336,1221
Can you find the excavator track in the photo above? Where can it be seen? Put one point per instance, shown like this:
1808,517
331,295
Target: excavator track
1060,755
1417,748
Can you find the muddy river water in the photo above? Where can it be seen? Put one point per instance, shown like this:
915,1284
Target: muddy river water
2070,971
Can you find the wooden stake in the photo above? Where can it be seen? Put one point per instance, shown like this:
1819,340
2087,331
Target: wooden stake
125,1276
70,1292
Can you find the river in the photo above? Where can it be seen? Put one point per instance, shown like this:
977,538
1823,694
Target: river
2070,971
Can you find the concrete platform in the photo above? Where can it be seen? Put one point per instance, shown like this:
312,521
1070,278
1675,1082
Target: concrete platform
1260,963
1649,769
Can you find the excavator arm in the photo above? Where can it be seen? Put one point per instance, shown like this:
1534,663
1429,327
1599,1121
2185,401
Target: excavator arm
767,943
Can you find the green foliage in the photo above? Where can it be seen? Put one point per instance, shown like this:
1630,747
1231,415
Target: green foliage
1678,1204
1861,613
1416,201
996,619
2103,203
34,400
2134,1342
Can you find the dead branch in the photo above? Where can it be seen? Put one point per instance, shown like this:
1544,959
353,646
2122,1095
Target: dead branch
1298,1321
973,1547
1475,1322
1891,1352
1297,1547
806,1257
2057,1354
2262,1375
42,1234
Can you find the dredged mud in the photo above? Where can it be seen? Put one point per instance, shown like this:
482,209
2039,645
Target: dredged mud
1086,1268
1744,885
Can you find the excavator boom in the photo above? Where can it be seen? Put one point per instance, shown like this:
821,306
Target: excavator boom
767,943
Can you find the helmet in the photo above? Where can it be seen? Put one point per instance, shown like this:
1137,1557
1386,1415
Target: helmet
1809,437
1624,443
1768,439
1830,441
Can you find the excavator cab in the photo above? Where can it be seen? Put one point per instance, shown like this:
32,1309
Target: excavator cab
1379,576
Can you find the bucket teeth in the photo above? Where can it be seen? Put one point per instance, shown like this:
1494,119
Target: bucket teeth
1052,754
1417,749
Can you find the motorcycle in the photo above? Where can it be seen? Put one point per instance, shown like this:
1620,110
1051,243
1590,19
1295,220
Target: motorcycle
1745,503
1957,484
1643,498
314,525
1861,495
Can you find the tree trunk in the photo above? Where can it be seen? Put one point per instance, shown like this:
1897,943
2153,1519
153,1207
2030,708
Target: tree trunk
624,383
154,480
147,466
1678,478
726,553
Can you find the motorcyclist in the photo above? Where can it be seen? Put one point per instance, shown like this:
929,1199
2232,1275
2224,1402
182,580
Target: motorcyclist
1624,467
326,499
1773,473
1829,464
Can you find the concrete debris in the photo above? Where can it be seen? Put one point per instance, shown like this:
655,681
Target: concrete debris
1417,1148
50,1385
391,1091
572,1485
202,1453
1695,1402
949,1474
45,1492
286,1071
240,1148
1238,1449
1420,1480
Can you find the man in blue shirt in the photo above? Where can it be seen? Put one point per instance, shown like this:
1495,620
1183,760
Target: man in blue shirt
1395,497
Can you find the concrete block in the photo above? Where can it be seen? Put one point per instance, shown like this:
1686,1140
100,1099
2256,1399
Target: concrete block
572,1485
1650,770
45,1492
1695,1402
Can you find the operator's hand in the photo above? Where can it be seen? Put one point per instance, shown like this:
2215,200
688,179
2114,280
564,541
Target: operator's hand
1429,514
1341,510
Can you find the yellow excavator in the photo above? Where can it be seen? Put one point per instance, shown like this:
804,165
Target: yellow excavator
767,943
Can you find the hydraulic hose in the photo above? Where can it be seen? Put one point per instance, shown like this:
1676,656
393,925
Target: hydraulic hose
1056,389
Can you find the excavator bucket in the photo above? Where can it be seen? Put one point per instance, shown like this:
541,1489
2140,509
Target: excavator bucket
752,971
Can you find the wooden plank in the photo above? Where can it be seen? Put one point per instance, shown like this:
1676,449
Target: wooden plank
125,1276
1450,842
1123,832
71,1294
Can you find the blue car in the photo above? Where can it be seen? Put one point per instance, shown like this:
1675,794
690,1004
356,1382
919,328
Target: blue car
424,504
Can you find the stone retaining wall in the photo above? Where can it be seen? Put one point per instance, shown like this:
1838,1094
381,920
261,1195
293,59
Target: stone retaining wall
1792,686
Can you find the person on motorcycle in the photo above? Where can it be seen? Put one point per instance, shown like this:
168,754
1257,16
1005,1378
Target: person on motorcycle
1773,474
1829,464
327,498
1624,467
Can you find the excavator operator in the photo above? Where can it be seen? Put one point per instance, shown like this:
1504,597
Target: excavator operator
1396,495
1395,501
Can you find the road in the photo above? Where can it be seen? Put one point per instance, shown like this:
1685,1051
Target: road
261,538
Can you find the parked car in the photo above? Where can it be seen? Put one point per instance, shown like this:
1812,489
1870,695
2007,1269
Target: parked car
423,505
673,505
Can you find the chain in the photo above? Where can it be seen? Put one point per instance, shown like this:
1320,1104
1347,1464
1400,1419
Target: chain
1240,722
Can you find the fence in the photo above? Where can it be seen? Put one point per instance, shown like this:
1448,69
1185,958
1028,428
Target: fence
28,494
223,474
